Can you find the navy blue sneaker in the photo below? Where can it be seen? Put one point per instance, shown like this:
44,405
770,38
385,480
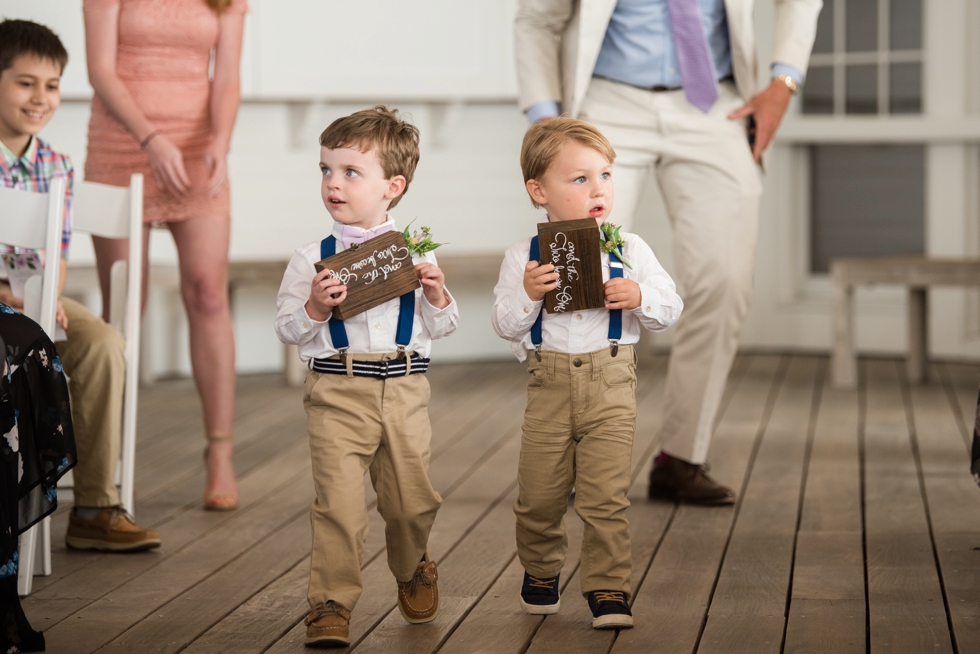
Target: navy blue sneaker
540,596
610,610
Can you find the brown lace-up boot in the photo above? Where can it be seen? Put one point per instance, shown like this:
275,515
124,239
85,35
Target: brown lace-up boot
675,479
418,598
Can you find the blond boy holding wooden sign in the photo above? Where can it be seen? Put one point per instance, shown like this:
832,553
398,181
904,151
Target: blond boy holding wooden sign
581,410
365,398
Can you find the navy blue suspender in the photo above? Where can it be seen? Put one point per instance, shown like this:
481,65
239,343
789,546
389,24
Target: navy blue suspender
406,311
615,315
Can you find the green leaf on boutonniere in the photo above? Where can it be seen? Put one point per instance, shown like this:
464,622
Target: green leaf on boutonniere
420,243
613,242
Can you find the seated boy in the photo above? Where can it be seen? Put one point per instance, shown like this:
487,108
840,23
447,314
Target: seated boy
362,413
32,60
581,408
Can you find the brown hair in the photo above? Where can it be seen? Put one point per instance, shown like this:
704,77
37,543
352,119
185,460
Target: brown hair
380,129
544,140
219,5
20,37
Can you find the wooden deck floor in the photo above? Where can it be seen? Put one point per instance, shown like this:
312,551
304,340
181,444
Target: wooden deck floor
857,528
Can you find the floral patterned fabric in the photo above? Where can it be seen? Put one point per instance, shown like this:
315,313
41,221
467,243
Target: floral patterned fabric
37,447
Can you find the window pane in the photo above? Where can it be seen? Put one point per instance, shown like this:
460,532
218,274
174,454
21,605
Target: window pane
818,91
862,25
825,29
906,25
905,89
866,200
862,89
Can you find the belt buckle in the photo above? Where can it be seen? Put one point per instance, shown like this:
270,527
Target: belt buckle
383,372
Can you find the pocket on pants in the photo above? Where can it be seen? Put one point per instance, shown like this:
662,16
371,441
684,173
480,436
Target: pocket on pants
618,373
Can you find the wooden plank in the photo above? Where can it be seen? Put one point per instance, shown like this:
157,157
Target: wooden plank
960,382
827,609
671,604
954,510
749,602
101,621
905,600
908,270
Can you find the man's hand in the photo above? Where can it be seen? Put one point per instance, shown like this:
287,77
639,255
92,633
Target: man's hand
60,316
622,293
326,292
768,108
539,279
433,284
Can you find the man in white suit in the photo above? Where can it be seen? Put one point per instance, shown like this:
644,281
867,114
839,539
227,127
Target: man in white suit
673,85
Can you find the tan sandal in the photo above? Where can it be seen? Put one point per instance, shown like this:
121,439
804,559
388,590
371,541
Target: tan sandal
216,501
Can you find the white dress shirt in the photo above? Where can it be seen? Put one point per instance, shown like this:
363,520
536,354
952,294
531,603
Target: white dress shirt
583,331
370,332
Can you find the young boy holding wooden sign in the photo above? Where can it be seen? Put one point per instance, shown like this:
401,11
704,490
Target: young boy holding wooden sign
581,409
365,398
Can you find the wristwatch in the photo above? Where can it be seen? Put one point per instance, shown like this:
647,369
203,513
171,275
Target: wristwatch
790,83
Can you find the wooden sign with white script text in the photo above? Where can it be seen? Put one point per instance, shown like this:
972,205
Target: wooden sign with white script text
377,270
573,247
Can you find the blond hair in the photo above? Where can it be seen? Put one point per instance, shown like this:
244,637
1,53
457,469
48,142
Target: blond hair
219,5
381,129
544,140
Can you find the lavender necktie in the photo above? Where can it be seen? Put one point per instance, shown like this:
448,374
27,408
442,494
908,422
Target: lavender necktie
698,74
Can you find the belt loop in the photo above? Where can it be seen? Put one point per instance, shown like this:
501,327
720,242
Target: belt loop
595,364
552,361
408,363
348,362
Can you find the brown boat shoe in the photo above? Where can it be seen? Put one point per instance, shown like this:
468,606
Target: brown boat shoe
418,598
675,479
328,625
112,530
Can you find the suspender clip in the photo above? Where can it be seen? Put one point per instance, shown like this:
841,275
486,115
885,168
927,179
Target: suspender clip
615,346
537,352
401,352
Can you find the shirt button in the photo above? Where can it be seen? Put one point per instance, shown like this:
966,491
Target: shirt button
527,309
647,309
377,325
306,325
578,317
577,363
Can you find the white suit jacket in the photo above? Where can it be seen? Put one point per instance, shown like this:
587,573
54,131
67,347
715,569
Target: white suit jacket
557,43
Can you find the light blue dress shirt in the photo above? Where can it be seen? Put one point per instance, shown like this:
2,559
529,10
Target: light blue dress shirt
638,48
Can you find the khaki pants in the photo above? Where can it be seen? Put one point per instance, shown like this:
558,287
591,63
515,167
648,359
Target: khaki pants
93,358
358,424
578,431
711,189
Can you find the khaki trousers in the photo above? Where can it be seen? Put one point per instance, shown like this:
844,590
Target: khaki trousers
359,424
578,431
711,188
93,358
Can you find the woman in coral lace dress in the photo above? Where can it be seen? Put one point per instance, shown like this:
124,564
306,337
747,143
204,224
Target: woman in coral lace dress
157,112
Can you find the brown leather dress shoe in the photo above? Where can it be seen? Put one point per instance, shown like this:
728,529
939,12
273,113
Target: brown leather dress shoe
418,598
677,480
328,625
112,530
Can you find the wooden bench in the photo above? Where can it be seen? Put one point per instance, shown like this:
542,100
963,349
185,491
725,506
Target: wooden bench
462,272
915,273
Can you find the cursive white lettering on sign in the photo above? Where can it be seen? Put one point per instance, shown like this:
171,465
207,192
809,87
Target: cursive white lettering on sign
564,259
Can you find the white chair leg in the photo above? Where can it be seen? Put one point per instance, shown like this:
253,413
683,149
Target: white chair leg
843,363
25,563
42,557
918,321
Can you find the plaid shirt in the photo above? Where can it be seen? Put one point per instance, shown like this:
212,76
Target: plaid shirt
33,172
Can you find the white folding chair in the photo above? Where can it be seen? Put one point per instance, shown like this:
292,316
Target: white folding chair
117,212
34,220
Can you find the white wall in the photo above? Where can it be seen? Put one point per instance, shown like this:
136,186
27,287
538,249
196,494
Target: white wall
468,186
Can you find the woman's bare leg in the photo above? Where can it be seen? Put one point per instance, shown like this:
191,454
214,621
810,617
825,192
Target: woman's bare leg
110,250
202,248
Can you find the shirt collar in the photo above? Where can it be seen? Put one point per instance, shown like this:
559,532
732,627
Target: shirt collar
338,228
27,160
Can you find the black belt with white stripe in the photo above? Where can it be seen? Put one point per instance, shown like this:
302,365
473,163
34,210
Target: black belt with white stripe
377,369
